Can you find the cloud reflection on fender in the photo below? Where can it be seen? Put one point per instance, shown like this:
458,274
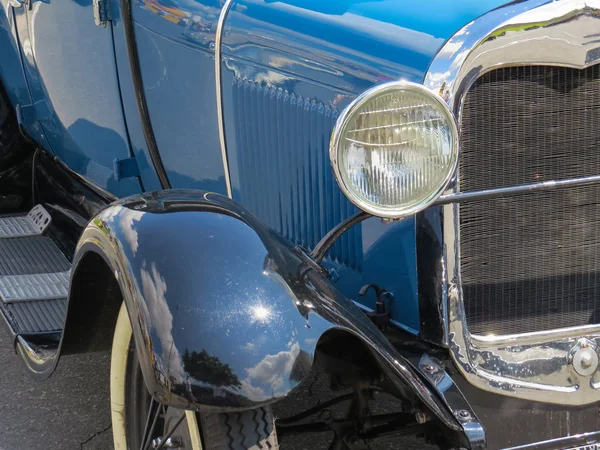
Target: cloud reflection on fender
236,342
154,288
272,369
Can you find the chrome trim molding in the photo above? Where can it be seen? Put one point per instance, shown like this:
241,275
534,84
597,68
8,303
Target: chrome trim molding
533,366
219,91
340,125
432,370
534,32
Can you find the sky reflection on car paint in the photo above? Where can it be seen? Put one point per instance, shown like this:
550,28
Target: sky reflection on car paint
266,373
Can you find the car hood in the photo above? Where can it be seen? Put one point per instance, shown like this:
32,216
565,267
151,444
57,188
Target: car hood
349,44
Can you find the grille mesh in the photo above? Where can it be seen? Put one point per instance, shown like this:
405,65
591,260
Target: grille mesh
523,125
531,262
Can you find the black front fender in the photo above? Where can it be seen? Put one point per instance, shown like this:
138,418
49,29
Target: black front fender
226,314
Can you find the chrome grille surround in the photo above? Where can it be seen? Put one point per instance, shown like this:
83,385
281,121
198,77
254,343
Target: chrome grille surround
533,366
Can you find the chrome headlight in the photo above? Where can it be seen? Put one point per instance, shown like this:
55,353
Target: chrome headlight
394,149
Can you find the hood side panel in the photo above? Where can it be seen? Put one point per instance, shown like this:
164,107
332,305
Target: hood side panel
289,68
277,140
346,44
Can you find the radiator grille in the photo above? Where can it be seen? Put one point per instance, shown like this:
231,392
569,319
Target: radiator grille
523,125
531,262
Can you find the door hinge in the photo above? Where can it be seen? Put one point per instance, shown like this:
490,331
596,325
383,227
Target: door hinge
27,114
102,12
125,168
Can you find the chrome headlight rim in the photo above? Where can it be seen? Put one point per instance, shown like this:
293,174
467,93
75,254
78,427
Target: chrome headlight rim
338,133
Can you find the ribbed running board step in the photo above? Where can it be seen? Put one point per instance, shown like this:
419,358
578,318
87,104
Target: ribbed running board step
39,286
34,276
32,224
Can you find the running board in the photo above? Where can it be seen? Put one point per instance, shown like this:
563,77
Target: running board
32,224
42,286
34,275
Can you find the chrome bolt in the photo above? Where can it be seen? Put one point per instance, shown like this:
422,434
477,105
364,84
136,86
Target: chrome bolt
169,443
583,357
420,417
430,368
464,414
586,360
173,442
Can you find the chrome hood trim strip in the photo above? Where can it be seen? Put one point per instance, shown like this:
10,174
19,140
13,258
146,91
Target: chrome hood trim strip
219,92
534,366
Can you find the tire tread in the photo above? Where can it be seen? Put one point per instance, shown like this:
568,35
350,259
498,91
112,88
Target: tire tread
246,430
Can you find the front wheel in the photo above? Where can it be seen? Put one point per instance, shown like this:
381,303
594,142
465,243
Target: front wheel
139,422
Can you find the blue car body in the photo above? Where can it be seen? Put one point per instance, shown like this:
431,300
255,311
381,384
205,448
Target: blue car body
287,70
483,319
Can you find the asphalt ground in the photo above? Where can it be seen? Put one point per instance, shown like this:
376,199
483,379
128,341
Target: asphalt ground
70,411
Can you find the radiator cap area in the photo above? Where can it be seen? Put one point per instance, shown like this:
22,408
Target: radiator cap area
584,358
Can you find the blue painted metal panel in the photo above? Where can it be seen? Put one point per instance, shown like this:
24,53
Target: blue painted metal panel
72,74
12,74
179,83
277,145
289,66
284,175
11,69
179,89
188,22
347,44
137,140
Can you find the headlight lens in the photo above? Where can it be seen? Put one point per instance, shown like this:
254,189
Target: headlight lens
394,149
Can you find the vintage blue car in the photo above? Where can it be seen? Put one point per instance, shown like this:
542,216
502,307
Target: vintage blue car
242,197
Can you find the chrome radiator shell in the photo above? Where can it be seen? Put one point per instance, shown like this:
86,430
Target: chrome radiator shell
534,365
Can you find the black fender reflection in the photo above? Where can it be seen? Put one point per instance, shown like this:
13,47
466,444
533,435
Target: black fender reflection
225,313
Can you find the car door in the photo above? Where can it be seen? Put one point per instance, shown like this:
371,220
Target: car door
70,65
